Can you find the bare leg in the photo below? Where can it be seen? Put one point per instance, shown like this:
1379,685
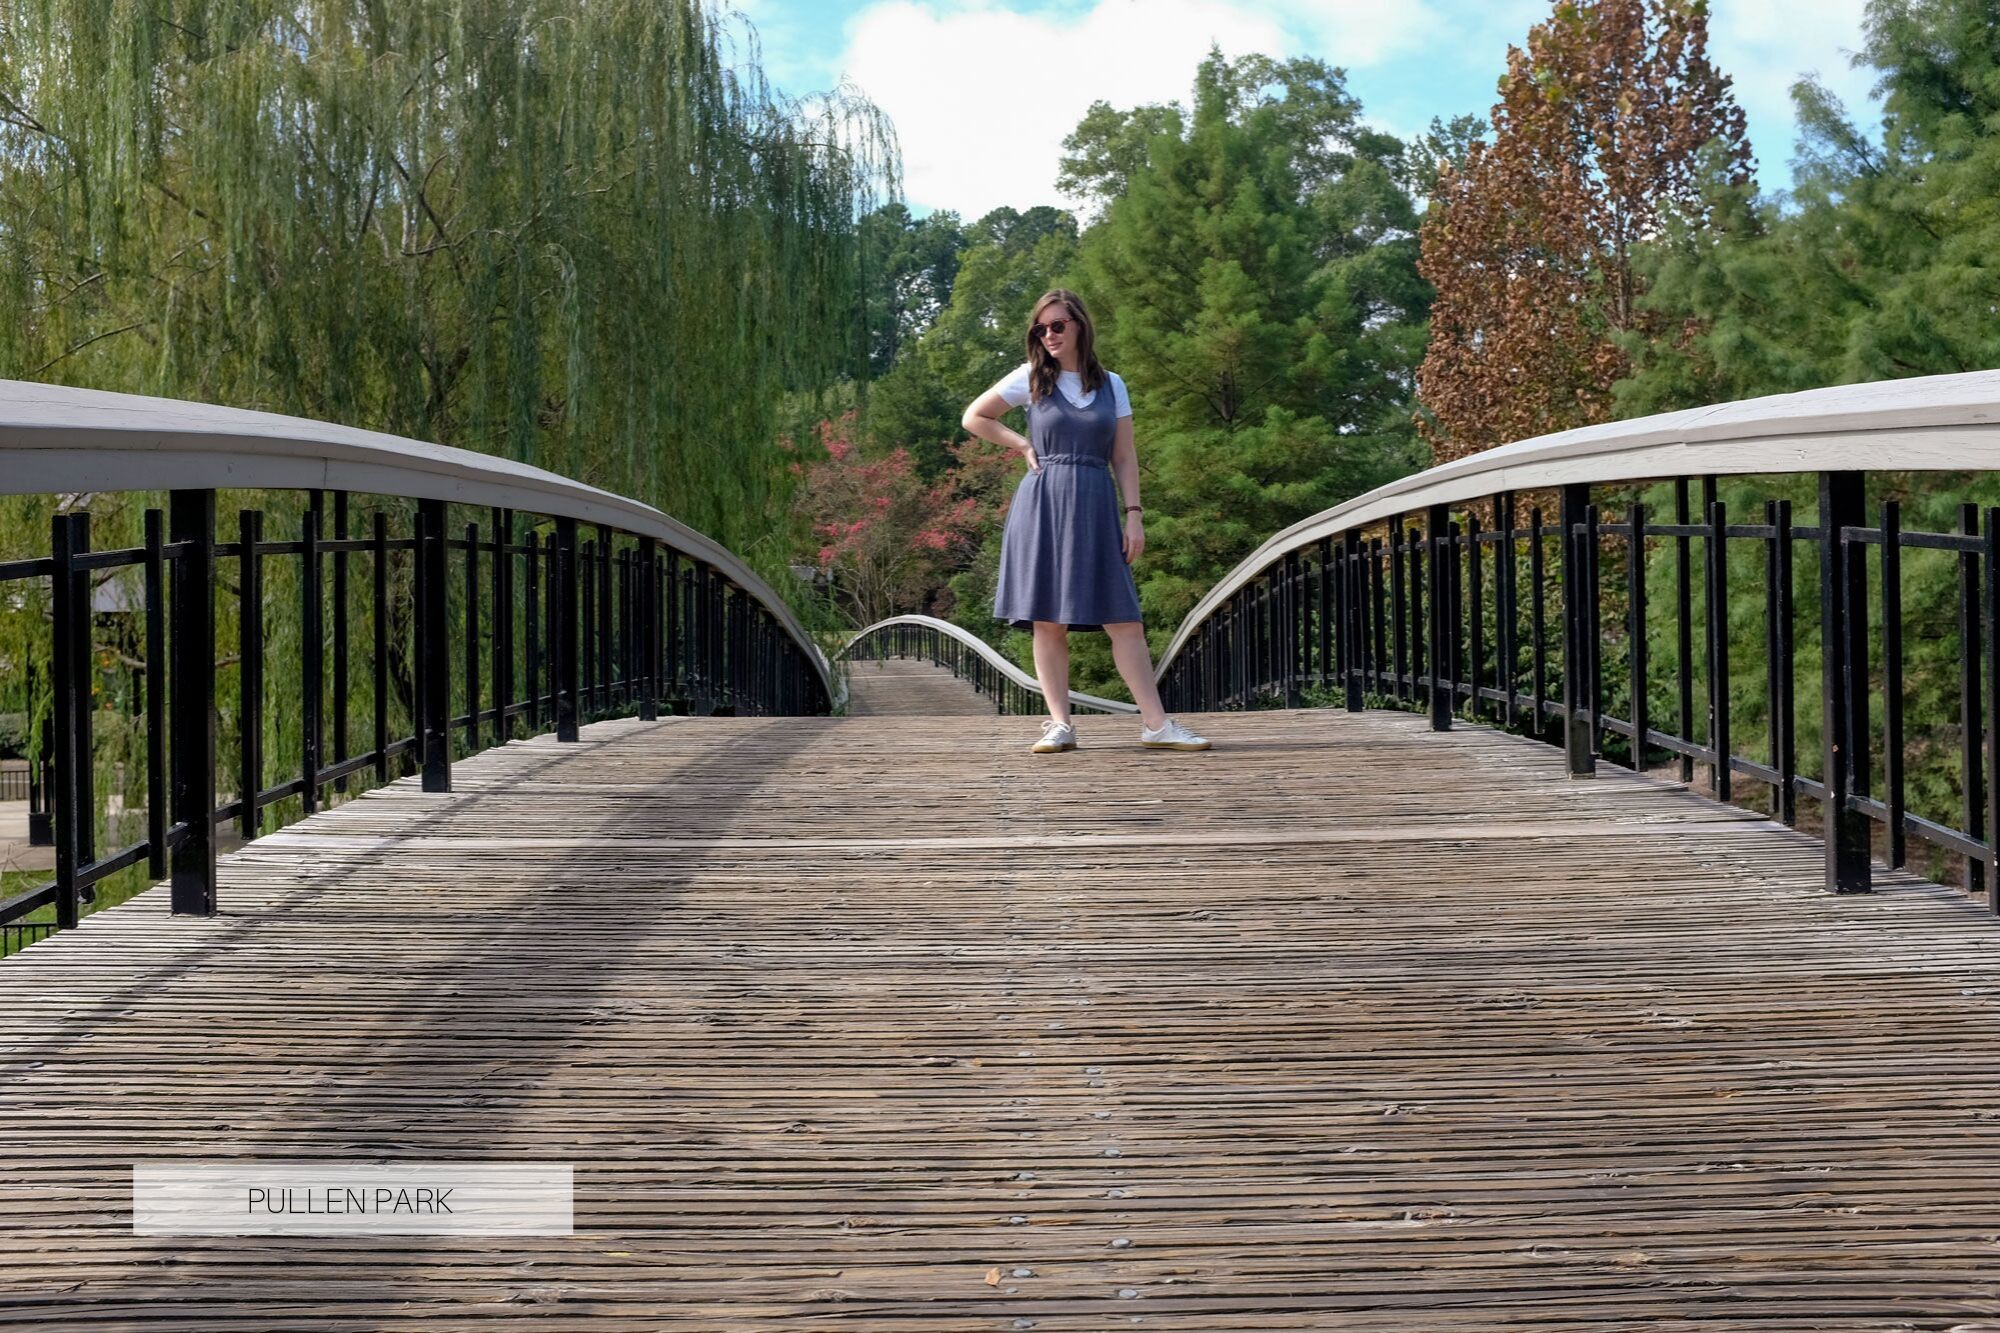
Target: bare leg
1135,663
1052,666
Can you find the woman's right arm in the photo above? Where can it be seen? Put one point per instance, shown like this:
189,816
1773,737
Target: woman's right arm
983,419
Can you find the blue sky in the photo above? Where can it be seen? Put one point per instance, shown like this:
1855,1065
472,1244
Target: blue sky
956,76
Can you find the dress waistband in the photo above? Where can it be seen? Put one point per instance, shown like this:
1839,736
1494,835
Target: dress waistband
1080,460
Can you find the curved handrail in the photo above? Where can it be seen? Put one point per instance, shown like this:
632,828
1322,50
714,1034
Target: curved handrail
57,439
1937,423
1013,674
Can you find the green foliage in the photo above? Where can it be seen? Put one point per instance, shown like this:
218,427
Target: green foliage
573,236
585,237
1010,259
1444,146
1254,281
908,268
1880,265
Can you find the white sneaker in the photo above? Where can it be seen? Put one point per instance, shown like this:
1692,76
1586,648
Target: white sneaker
1172,736
1055,736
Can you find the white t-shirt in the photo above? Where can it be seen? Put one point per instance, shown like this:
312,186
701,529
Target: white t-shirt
1014,389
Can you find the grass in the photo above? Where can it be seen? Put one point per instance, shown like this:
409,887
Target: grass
110,892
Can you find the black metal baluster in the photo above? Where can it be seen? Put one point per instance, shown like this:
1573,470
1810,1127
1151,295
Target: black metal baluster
1324,591
1356,600
1784,703
69,596
552,676
1892,679
1715,551
157,796
191,523
649,637
1455,621
1397,606
1972,775
312,653
1774,738
1508,671
1240,642
341,739
381,664
587,596
1263,658
531,624
1577,749
1843,634
250,674
1991,558
1684,601
694,596
1375,619
1538,618
1291,628
434,644
1419,649
604,618
1475,609
1439,653
672,696
563,593
1635,599
617,643
502,620
471,638
1593,630
1350,628
628,621
419,567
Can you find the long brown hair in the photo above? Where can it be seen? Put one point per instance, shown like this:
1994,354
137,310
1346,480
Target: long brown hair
1043,368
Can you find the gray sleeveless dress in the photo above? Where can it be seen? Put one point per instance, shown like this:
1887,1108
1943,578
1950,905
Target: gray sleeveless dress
1062,552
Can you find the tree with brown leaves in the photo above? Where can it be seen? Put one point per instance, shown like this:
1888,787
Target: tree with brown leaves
1607,123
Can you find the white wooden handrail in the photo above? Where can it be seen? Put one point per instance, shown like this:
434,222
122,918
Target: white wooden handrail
985,650
55,439
1937,423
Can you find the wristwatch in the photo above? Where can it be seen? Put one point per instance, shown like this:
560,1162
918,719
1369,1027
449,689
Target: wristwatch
1131,508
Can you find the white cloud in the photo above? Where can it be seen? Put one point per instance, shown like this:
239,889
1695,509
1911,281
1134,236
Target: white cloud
982,98
1355,34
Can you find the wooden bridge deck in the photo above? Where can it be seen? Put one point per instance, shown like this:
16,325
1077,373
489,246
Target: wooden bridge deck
1339,1025
911,687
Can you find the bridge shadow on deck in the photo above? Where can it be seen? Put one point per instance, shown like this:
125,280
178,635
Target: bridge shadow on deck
838,1021
338,1039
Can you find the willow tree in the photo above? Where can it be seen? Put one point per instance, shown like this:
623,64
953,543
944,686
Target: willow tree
588,237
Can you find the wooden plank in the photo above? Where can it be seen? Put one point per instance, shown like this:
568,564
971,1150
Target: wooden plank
911,687
1340,1024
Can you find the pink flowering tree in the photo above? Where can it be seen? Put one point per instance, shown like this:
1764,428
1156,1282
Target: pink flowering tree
888,540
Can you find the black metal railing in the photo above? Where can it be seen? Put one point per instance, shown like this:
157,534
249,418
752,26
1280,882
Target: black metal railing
548,621
945,645
18,935
1609,628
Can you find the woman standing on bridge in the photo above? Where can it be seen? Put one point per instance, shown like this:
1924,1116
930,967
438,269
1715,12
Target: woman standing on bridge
1063,565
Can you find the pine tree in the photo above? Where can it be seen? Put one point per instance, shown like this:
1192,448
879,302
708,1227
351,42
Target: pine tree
1882,263
1253,277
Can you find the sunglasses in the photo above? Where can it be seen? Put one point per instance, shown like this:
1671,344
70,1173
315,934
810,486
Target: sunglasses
1053,326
